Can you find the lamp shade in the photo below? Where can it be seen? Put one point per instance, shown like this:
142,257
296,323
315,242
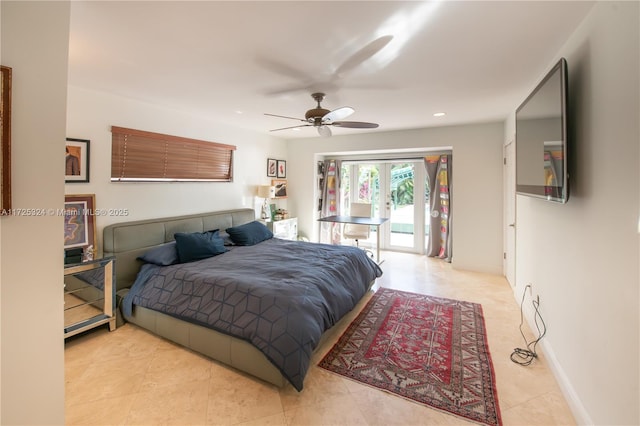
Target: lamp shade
266,191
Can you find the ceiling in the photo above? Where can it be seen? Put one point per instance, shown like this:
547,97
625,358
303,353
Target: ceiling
231,62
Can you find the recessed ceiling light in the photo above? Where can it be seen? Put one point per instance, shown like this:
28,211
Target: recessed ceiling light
239,112
439,114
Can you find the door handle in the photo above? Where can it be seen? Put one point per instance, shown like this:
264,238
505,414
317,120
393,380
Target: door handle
513,225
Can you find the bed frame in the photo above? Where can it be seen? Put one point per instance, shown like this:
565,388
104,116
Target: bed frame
128,240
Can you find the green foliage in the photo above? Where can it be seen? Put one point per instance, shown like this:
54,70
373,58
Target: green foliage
403,195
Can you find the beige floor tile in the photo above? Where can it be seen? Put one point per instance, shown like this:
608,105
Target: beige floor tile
174,365
333,411
517,384
547,409
381,408
315,392
183,404
130,376
237,398
275,420
106,411
107,379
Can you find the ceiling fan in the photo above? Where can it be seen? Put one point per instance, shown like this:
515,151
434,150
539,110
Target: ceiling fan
322,118
334,80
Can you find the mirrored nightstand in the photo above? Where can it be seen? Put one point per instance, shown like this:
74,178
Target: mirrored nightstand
89,295
287,229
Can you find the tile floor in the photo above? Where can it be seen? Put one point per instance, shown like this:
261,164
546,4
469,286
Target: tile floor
130,377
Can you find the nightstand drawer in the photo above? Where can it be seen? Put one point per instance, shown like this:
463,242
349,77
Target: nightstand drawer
89,295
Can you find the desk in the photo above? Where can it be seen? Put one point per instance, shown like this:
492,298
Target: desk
359,220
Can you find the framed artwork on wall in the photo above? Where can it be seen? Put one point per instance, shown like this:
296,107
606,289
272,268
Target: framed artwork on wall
272,167
281,187
79,221
5,140
282,169
76,161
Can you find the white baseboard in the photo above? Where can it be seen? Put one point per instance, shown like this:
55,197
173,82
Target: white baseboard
575,404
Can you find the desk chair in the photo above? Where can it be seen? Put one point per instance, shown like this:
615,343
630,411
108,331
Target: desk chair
358,232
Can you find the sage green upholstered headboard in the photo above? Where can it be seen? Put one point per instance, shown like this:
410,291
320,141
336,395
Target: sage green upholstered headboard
128,240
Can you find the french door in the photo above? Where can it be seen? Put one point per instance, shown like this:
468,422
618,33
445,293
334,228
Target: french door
397,190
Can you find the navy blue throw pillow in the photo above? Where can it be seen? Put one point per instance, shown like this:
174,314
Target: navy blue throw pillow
226,238
250,233
163,255
198,245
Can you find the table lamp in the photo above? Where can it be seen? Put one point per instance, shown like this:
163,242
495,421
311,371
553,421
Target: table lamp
266,192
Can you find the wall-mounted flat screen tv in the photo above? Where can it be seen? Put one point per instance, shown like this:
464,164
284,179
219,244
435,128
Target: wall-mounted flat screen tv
541,139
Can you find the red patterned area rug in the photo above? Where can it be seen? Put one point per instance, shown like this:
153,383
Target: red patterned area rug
427,349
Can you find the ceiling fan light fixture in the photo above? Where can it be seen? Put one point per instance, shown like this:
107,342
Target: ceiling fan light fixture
324,131
322,118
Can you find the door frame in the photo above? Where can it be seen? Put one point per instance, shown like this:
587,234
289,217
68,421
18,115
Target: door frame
510,212
383,207
419,176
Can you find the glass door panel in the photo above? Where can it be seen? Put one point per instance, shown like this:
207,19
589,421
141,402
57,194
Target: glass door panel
368,191
401,206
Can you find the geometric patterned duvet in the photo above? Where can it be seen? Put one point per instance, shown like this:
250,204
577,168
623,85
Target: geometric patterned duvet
278,295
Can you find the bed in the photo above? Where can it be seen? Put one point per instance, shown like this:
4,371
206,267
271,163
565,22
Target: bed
260,306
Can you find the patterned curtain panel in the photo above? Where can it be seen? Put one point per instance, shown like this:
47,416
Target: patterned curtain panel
329,201
439,171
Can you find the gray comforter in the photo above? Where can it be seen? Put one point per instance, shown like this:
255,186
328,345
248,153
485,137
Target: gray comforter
278,295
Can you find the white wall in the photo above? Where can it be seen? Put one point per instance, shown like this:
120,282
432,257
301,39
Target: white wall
477,182
91,115
582,257
35,38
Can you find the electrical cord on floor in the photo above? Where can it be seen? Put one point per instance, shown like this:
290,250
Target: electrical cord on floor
525,356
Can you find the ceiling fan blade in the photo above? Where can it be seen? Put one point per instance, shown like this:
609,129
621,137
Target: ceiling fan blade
282,68
309,86
291,127
363,54
338,114
355,124
284,116
324,131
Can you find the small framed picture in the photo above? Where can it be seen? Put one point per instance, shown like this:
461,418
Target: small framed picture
282,169
272,167
76,161
281,187
79,221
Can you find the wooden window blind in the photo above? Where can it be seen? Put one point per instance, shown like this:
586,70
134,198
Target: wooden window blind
138,155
